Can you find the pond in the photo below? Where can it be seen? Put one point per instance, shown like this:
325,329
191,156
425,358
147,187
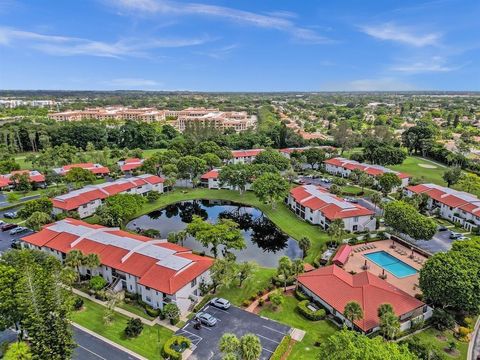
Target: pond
265,243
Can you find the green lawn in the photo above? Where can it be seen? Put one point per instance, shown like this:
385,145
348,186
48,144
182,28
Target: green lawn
148,344
285,219
314,329
136,309
411,166
259,280
430,336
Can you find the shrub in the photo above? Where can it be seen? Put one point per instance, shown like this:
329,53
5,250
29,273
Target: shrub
253,297
281,349
77,303
151,311
134,328
276,299
246,303
310,314
131,296
300,295
259,292
175,342
97,283
101,295
261,301
202,303
442,320
463,333
417,324
172,312
419,296
469,322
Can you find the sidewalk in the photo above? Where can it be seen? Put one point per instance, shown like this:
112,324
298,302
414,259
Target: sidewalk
474,345
127,313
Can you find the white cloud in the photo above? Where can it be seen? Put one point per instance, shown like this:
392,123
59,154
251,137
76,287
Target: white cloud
401,34
435,64
132,83
277,21
377,84
219,53
70,46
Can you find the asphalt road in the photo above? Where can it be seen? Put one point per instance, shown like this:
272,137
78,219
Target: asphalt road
6,239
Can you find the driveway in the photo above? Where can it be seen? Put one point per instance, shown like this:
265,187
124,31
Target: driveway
238,322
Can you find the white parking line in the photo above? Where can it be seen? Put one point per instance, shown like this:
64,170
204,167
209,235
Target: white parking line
269,328
217,309
270,351
266,338
90,351
193,337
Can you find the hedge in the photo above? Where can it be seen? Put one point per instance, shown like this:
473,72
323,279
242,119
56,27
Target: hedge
151,311
202,303
300,295
281,348
309,314
169,353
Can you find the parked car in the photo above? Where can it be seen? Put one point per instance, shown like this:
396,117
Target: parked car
463,237
455,235
7,226
18,230
206,318
220,303
442,228
325,180
10,215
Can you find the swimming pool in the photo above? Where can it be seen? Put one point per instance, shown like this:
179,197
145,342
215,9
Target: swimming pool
391,264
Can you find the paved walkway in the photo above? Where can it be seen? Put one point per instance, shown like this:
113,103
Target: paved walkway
127,313
474,345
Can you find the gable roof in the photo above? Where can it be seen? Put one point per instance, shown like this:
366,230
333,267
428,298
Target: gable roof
212,174
130,164
333,207
94,168
337,287
158,264
34,176
370,169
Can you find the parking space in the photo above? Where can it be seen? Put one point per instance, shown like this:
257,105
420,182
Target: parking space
236,321
6,239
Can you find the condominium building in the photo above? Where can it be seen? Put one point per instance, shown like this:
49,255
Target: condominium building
111,113
96,169
457,206
36,178
87,199
130,164
343,167
317,206
159,271
211,180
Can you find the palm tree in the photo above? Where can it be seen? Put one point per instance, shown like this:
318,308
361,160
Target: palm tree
250,347
297,266
389,323
229,344
336,230
305,245
91,261
74,259
352,312
376,199
284,269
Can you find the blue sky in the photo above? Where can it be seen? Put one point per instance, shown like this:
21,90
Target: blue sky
250,45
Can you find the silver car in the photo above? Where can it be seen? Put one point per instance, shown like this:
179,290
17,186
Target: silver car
206,318
220,303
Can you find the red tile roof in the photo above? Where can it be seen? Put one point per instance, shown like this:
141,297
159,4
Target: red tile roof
337,287
33,175
212,174
246,153
174,269
94,168
333,207
130,164
341,257
373,170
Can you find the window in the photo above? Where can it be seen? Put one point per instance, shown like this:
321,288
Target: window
355,219
355,228
147,288
148,299
84,206
193,283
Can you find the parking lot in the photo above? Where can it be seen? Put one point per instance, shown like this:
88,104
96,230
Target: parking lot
6,239
236,321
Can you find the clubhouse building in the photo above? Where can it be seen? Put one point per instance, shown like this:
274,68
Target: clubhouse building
87,199
318,206
159,271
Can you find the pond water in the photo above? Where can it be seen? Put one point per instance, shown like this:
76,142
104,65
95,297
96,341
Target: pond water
265,243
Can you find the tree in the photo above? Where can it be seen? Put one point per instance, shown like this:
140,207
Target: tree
442,319
353,312
119,208
74,259
389,323
18,351
224,232
452,175
343,136
285,270
349,345
37,220
153,196
305,245
245,269
211,160
270,188
276,299
336,230
21,182
134,328
238,176
250,346
78,175
388,181
470,183
229,344
222,272
37,205
406,219
314,156
13,197
376,199
274,158
97,283
416,137
450,279
91,261
172,312
190,167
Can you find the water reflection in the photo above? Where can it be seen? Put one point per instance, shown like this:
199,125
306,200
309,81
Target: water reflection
265,242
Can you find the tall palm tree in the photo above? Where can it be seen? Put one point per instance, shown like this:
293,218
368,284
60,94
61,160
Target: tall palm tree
74,259
284,269
376,199
305,245
250,347
91,261
389,323
336,230
352,312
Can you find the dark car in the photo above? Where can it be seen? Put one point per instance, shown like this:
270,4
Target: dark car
442,228
8,226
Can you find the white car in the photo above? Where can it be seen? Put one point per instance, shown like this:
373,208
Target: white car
220,303
206,319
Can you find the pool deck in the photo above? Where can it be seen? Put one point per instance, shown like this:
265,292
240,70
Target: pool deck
408,284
